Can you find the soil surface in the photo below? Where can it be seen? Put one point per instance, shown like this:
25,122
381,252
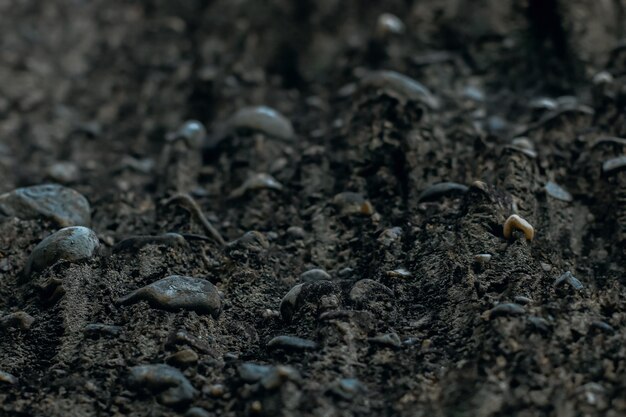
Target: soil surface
187,297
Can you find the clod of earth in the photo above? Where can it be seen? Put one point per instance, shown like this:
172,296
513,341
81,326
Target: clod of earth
71,244
134,243
65,206
171,386
516,222
178,292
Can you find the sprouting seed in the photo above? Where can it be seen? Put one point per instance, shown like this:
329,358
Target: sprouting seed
613,165
264,119
441,189
556,191
400,84
516,222
389,24
257,182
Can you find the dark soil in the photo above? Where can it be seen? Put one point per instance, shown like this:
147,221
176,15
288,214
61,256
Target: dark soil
410,323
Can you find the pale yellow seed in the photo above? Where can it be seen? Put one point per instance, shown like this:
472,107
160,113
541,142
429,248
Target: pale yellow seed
256,407
516,222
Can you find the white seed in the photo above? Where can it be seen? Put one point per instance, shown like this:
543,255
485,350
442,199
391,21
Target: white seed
516,222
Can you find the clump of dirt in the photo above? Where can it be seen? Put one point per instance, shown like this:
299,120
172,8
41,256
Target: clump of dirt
298,208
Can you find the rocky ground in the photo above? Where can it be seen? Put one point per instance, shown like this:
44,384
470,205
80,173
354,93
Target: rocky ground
330,237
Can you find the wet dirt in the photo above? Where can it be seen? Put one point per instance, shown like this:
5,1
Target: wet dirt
424,309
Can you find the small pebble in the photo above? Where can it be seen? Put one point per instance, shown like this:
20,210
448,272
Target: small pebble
257,182
442,189
570,279
71,244
506,309
183,358
263,119
171,386
18,320
388,340
556,191
7,378
64,206
291,343
178,292
316,274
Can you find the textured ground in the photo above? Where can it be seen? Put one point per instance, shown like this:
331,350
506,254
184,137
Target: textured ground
409,322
